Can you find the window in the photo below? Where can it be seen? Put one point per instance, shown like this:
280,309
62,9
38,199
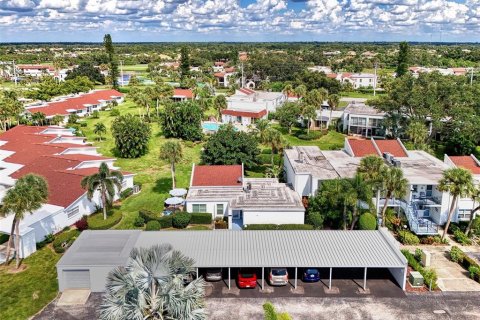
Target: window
220,209
73,212
429,190
414,188
463,214
199,207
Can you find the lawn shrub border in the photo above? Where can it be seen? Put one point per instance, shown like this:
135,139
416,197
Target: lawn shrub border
427,273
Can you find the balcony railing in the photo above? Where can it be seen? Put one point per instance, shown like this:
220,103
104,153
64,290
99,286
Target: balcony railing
418,225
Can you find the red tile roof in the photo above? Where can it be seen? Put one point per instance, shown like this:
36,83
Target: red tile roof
219,74
230,69
246,91
332,75
187,93
466,162
249,114
33,66
393,147
75,103
217,176
362,148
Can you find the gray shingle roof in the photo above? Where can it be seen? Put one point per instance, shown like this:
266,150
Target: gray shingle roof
227,248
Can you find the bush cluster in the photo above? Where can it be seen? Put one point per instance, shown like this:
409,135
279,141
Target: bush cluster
278,227
313,135
166,222
180,220
461,238
96,221
126,193
64,240
221,224
429,275
82,224
408,238
148,215
201,218
138,222
433,240
48,239
458,256
367,221
152,226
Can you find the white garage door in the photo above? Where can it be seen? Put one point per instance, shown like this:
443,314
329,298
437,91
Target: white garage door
77,279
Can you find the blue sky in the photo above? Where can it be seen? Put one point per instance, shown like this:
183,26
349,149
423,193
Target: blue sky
240,20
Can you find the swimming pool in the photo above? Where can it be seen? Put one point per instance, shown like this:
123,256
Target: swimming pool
210,126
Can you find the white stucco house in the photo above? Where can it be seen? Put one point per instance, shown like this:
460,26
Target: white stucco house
363,120
63,160
223,191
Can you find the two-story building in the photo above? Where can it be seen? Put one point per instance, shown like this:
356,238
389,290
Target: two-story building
363,120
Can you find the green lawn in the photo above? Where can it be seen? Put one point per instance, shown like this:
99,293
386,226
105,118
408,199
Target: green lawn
136,67
331,141
25,293
362,95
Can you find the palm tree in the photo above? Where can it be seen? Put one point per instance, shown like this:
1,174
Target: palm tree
309,112
39,118
219,104
475,196
172,152
288,90
359,190
418,133
333,101
261,127
273,171
300,91
370,168
275,139
99,129
152,286
459,183
394,185
57,119
142,99
28,194
105,181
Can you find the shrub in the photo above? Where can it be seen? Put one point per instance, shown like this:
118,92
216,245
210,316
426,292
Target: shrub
201,218
83,124
126,193
367,221
148,215
474,271
429,275
461,237
181,220
278,227
165,222
221,224
48,239
96,221
313,135
64,240
82,224
115,113
427,240
315,219
456,255
269,311
418,254
95,114
408,238
152,226
138,222
260,227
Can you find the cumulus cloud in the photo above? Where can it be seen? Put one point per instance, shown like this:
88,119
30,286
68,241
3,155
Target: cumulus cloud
334,17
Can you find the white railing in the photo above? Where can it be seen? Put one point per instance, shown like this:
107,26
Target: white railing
419,226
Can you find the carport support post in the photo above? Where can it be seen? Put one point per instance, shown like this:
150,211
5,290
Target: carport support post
295,286
229,278
330,280
365,280
263,276
197,273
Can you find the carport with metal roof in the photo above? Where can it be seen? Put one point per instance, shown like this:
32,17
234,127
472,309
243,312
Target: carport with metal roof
244,249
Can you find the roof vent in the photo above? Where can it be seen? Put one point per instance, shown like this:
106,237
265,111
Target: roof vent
301,156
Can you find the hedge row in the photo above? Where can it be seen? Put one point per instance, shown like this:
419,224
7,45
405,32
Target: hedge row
458,256
96,221
408,238
64,240
278,227
429,275
201,218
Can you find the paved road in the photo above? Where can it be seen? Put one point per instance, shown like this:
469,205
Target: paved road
464,306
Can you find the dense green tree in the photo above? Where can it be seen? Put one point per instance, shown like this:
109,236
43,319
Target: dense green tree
113,65
39,118
229,146
107,182
475,196
172,152
393,184
309,112
86,69
182,120
316,80
275,139
403,59
99,129
28,194
131,136
300,91
288,114
370,169
459,183
418,133
219,104
333,102
10,109
184,62
153,286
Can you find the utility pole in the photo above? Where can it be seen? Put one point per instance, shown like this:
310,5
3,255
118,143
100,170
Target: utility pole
375,80
471,76
121,73
243,79
14,72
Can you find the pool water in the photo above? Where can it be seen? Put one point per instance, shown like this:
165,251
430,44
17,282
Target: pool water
210,126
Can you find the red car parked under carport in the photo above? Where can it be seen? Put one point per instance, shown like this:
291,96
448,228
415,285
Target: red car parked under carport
247,278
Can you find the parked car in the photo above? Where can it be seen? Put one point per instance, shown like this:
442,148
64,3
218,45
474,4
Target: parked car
214,274
311,275
278,277
247,278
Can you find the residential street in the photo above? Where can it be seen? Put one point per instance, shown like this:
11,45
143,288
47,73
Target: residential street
463,306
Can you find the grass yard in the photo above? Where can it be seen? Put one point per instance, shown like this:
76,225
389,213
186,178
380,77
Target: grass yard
136,67
152,173
24,294
361,95
331,141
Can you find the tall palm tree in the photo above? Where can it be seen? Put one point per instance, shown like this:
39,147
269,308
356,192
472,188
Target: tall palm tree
359,190
28,194
99,129
288,90
333,101
475,196
418,133
172,152
105,182
393,184
370,168
300,91
152,287
261,127
219,104
309,112
459,183
274,138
